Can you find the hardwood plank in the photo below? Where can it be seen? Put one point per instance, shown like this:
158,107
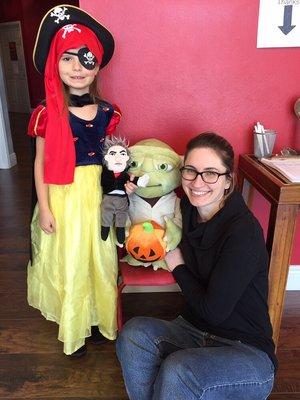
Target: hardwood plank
292,303
289,332
37,336
108,397
14,261
14,306
15,245
288,377
49,375
284,396
29,336
13,281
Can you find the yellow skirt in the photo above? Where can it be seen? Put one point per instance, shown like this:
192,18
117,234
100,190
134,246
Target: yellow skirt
72,279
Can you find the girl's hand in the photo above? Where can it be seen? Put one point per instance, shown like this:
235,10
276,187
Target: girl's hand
47,221
174,258
130,187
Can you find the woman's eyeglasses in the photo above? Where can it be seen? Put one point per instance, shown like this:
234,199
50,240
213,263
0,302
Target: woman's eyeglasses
191,174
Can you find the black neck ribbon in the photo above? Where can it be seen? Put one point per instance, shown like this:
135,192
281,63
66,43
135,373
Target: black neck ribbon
80,101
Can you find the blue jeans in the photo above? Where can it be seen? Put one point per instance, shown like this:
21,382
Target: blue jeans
172,360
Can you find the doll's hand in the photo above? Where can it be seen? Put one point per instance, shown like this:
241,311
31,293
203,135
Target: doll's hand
174,258
47,221
143,180
130,187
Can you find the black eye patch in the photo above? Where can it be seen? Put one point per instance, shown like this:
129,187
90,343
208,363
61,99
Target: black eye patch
85,57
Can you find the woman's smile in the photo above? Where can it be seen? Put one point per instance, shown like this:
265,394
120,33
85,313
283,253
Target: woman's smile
207,197
196,192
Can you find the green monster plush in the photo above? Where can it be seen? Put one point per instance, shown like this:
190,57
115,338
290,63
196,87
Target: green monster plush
157,201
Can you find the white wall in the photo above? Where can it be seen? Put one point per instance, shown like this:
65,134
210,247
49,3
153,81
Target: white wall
7,156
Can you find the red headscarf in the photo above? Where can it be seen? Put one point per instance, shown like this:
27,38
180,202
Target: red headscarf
60,157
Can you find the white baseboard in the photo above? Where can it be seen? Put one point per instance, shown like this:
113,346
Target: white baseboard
13,159
293,283
8,160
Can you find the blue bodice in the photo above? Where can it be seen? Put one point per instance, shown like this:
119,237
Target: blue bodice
89,136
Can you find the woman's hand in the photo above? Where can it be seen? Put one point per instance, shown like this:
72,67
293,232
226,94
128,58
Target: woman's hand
174,258
47,221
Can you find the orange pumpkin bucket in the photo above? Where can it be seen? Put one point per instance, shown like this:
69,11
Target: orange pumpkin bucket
145,242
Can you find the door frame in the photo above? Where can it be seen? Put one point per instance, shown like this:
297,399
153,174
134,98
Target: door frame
18,25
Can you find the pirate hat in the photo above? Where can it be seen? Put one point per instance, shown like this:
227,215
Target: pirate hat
65,14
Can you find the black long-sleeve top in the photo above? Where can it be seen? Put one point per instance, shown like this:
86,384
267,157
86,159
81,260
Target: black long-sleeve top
225,276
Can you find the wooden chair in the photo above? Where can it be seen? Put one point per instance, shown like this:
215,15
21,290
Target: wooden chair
139,276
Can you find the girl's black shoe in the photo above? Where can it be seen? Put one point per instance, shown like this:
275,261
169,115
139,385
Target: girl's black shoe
79,352
97,337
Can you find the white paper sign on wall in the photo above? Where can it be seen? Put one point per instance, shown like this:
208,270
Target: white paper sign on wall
279,23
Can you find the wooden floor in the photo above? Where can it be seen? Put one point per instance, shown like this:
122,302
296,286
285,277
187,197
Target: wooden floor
32,365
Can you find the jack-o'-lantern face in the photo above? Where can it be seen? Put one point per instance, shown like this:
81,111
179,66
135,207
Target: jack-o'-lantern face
145,242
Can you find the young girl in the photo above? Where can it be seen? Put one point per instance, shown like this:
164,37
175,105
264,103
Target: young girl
72,275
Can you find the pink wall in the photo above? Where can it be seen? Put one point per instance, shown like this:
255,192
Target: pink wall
184,66
181,67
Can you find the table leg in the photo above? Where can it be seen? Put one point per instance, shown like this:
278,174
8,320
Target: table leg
281,229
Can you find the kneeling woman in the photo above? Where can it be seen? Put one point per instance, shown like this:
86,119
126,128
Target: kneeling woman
221,346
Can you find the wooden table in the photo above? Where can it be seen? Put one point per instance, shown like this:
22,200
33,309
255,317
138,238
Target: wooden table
284,197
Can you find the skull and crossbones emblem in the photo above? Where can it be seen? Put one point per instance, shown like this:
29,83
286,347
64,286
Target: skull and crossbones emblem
90,58
69,28
60,14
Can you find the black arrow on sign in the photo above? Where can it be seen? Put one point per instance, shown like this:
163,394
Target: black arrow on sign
287,20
